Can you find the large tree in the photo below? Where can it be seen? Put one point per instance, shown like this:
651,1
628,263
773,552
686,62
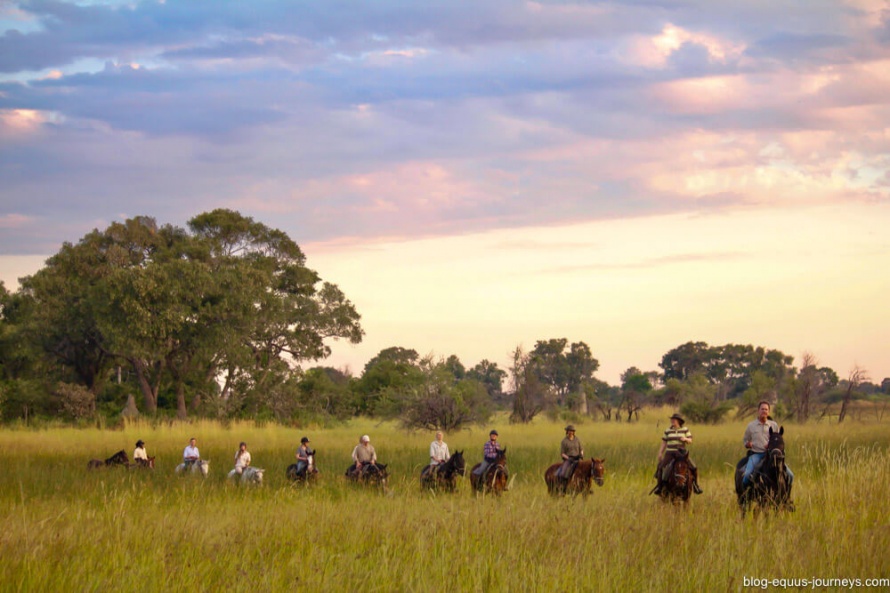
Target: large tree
230,300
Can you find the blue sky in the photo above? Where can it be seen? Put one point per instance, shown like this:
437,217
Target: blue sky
394,127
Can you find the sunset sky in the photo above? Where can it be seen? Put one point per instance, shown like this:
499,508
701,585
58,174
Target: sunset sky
477,176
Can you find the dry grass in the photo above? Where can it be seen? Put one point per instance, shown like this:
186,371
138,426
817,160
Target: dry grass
68,529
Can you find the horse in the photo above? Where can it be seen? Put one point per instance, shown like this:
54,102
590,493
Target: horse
144,463
249,475
309,473
443,476
678,486
768,486
371,474
201,466
586,472
496,476
119,458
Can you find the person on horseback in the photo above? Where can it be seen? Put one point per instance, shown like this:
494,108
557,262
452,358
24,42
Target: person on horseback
139,452
756,439
363,454
439,453
303,454
571,451
673,442
489,456
190,455
242,460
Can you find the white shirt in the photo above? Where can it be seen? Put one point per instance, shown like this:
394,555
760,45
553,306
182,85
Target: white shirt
191,452
140,453
242,460
439,452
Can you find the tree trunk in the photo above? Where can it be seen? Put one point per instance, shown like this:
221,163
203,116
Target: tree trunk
181,411
848,395
149,394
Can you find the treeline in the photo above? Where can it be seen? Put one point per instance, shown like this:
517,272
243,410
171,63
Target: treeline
224,319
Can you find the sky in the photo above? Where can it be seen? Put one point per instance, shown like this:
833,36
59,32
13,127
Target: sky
478,176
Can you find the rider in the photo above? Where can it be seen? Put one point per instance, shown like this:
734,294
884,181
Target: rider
672,443
363,454
756,439
139,452
438,452
489,456
571,451
190,454
242,460
303,454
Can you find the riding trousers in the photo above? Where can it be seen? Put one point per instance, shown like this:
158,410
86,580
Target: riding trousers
754,460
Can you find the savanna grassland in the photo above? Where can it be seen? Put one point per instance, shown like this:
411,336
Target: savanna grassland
65,528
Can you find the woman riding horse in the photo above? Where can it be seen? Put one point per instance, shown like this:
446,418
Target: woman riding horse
443,476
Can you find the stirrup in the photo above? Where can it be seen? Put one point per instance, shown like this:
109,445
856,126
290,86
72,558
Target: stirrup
696,488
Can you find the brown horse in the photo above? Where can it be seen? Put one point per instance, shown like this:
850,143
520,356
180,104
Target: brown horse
145,463
496,476
678,486
586,472
119,458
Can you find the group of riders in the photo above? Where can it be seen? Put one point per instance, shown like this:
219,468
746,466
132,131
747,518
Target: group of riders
673,446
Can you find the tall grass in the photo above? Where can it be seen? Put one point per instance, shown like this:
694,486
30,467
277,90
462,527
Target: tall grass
66,528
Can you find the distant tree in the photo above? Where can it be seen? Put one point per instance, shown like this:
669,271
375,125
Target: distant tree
530,394
603,398
856,377
440,401
325,393
394,370
563,367
488,373
700,401
635,389
811,384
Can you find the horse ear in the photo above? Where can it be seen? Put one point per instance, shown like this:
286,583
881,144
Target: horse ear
781,430
770,431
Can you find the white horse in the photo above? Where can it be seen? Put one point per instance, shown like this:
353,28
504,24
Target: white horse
201,466
250,475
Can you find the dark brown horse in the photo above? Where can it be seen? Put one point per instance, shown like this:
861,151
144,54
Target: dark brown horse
370,474
677,487
119,458
444,476
496,477
586,472
768,486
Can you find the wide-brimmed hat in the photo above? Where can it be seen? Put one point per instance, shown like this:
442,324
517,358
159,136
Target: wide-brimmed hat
140,443
493,432
365,439
570,428
304,440
679,418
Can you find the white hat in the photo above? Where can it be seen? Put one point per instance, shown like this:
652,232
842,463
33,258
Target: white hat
365,439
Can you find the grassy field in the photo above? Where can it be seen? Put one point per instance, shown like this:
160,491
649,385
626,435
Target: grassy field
69,529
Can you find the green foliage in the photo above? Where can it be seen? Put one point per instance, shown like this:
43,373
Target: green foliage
229,301
700,403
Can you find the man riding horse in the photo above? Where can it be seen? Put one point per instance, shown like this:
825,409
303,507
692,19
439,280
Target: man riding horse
756,440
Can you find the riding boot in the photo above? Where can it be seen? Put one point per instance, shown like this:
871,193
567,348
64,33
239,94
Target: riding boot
658,487
563,484
695,487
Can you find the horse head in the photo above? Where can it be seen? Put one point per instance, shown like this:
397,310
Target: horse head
202,465
597,470
502,457
458,463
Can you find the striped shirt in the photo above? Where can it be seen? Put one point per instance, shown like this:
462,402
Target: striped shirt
672,437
